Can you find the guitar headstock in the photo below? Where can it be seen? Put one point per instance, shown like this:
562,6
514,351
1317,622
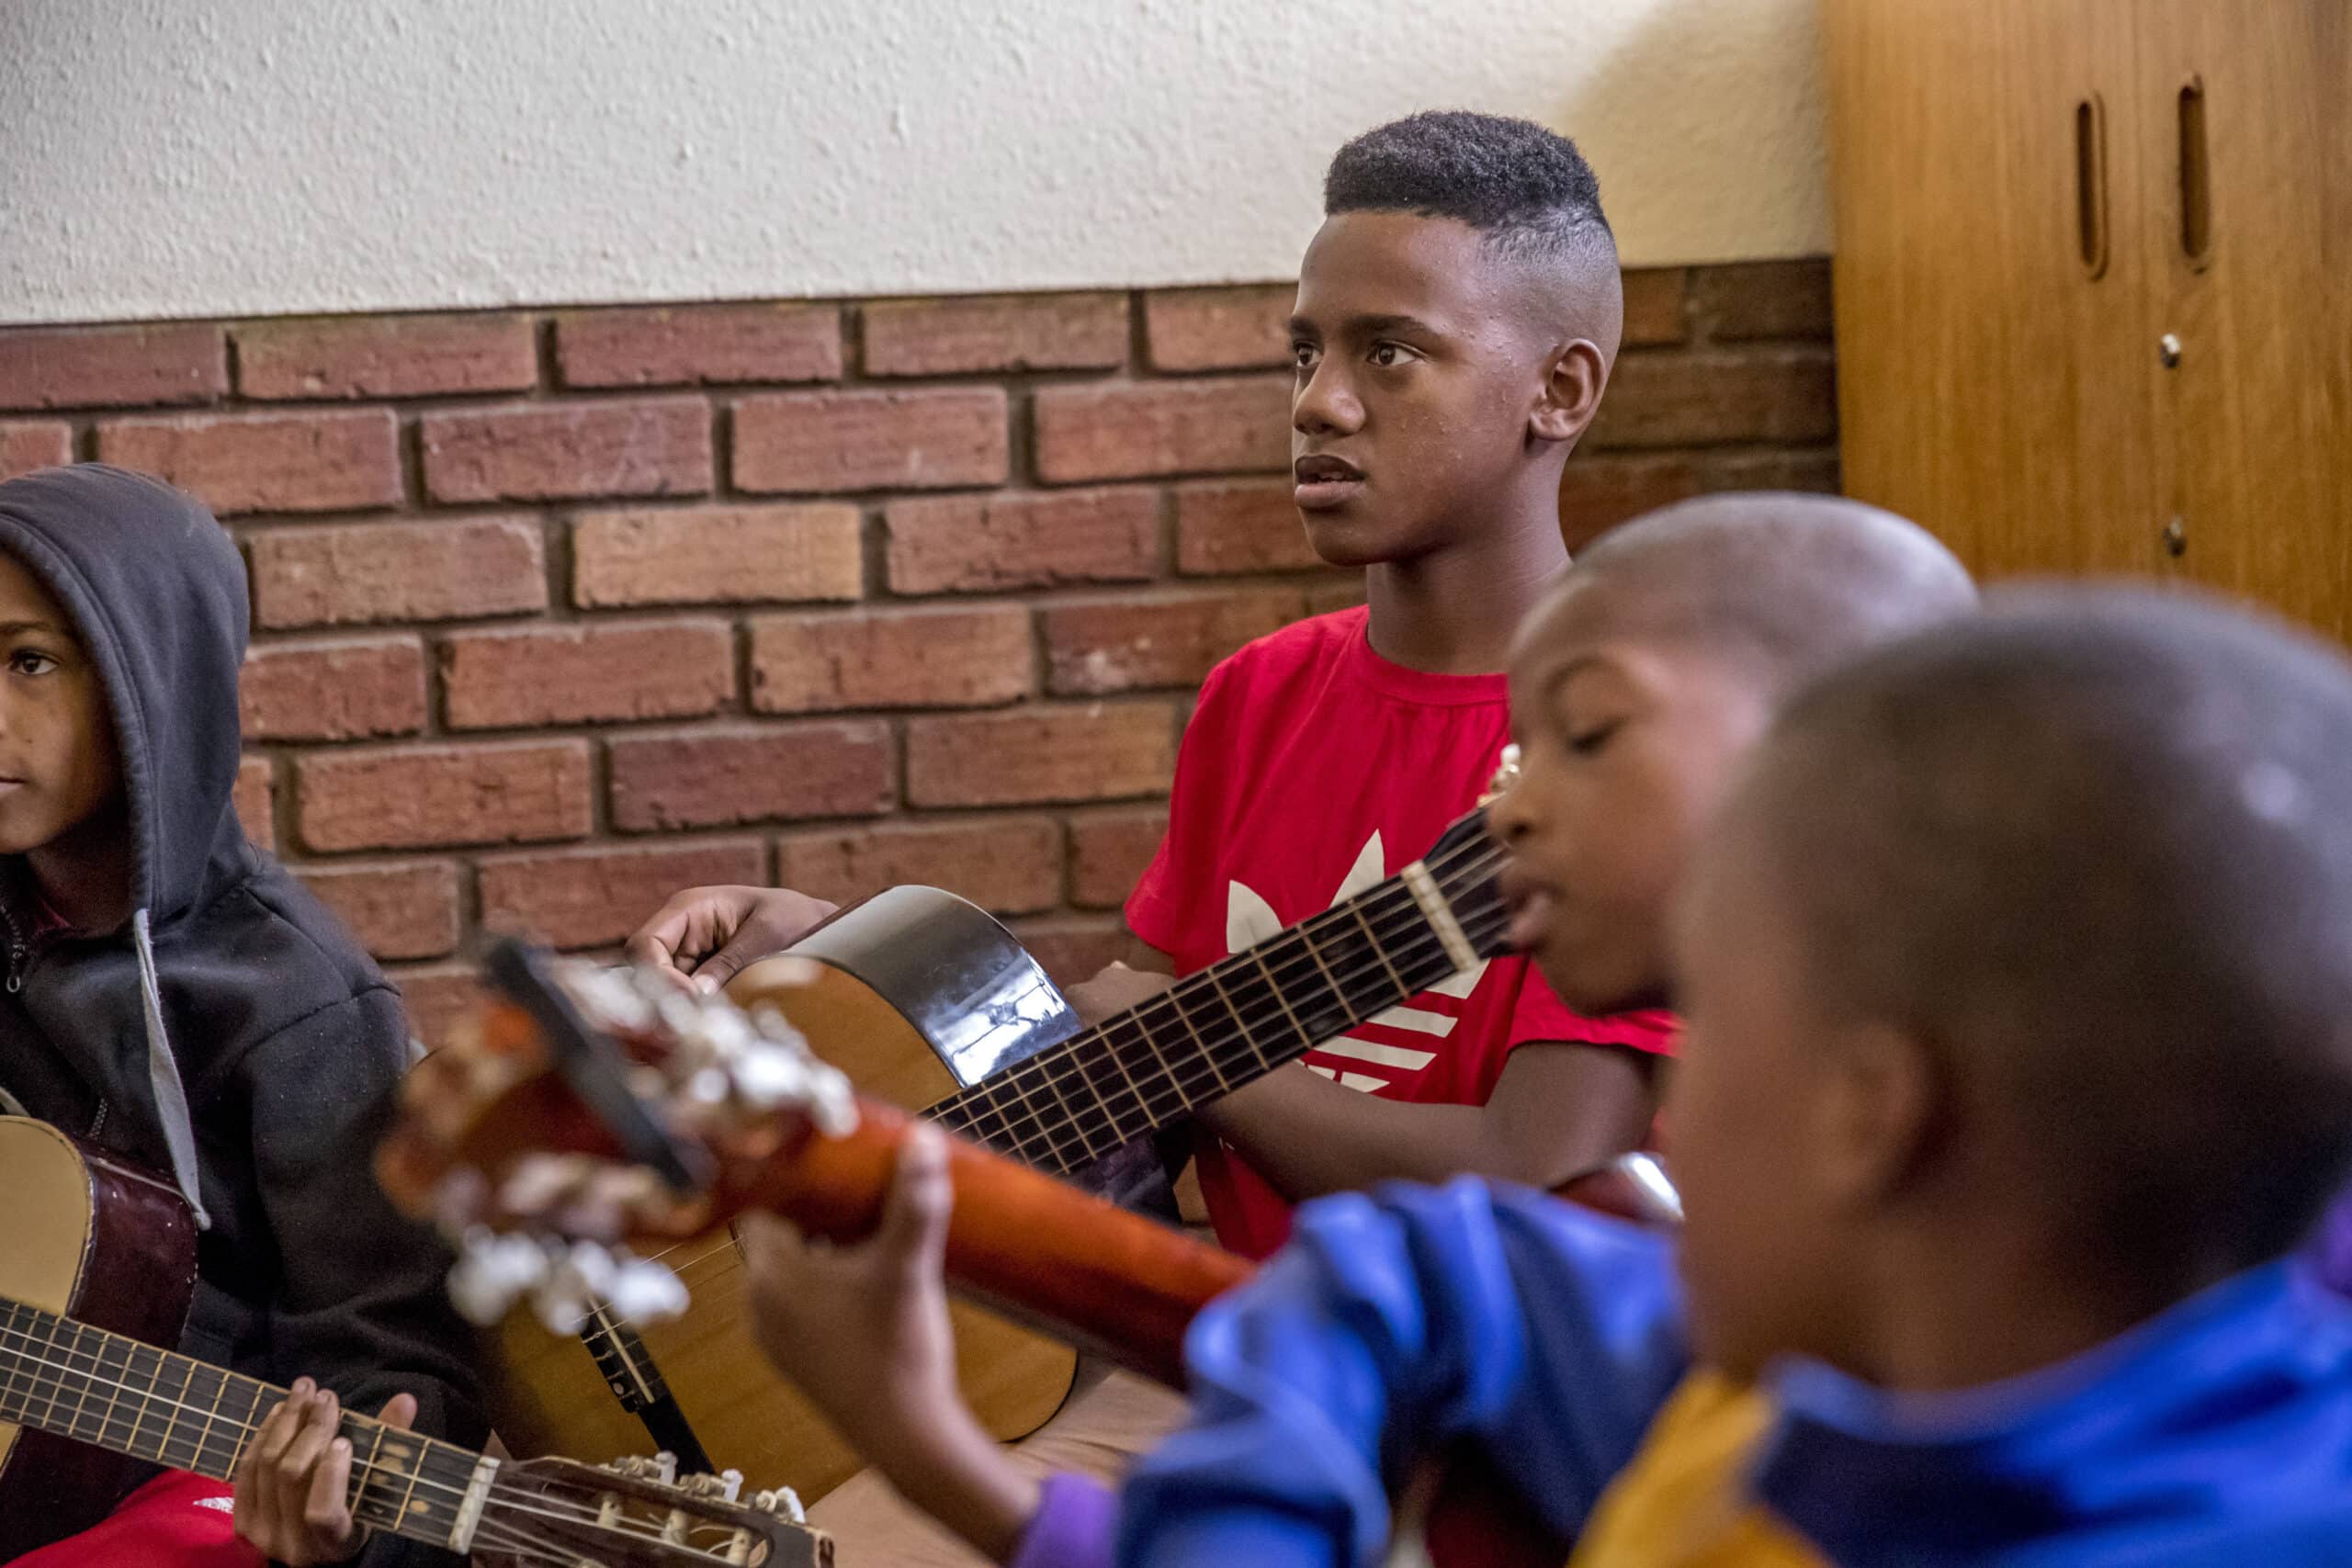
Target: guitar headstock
586,1109
637,1512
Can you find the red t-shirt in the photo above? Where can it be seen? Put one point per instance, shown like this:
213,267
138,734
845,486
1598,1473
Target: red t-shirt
1312,769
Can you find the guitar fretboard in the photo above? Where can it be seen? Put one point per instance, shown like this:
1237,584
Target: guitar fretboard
94,1387
1239,1019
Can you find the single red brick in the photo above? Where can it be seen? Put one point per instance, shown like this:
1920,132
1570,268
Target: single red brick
1696,400
934,439
334,690
564,451
421,796
892,658
257,801
1764,299
575,898
1132,430
35,443
1006,865
408,911
58,367
579,674
1599,491
1237,526
349,573
1038,331
1654,306
1096,646
719,776
271,462
439,998
717,555
1219,329
1108,853
1809,468
386,356
699,344
973,543
1098,752
1074,949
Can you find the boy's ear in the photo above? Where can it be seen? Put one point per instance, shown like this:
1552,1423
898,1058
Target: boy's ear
1883,1103
1571,392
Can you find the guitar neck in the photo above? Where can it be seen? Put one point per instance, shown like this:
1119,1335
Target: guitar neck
1244,1016
83,1383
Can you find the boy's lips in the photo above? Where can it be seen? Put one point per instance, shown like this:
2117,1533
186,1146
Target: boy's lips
1325,482
1530,904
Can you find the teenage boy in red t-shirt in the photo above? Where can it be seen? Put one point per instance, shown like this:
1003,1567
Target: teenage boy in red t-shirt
1456,318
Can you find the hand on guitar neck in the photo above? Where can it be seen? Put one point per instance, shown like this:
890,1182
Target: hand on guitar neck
294,1488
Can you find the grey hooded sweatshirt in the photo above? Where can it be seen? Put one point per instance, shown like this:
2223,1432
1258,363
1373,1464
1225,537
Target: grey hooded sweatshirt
231,1035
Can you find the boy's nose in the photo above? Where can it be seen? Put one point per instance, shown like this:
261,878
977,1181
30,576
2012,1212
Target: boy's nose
1323,406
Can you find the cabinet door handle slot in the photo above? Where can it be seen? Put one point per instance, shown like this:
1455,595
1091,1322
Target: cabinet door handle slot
2195,177
2090,185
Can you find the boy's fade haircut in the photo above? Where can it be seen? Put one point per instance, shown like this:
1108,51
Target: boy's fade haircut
2096,850
1527,190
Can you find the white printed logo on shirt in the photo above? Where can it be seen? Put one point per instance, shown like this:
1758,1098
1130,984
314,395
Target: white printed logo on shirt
1376,1063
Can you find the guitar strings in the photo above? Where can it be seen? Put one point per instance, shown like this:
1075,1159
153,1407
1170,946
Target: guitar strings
1063,1061
65,1375
1048,1119
1473,861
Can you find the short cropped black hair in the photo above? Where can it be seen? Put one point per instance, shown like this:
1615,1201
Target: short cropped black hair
1527,188
2096,848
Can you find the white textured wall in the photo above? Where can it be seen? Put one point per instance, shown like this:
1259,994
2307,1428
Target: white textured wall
162,158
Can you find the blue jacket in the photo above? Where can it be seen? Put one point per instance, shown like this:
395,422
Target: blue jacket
1549,1339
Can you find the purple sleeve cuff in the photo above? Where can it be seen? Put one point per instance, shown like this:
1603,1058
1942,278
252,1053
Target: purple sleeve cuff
1072,1527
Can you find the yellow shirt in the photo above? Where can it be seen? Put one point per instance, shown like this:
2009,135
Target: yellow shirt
1684,1501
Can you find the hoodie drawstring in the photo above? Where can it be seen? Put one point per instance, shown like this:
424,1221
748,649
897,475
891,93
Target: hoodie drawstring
163,1075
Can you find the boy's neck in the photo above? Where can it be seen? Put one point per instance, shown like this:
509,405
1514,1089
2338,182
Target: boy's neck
1953,1316
1453,611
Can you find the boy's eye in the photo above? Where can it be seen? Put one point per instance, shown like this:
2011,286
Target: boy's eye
1389,354
1587,742
31,661
1304,355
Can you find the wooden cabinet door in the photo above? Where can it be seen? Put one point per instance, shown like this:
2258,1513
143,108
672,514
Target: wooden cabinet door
1993,362
2248,169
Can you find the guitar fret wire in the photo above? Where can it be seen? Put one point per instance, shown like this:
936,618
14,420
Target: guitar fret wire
432,1450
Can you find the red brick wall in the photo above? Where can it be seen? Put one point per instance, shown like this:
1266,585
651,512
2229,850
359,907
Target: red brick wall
558,612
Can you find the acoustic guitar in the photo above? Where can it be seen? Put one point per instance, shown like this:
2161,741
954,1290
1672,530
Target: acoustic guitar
588,1110
927,1003
97,1263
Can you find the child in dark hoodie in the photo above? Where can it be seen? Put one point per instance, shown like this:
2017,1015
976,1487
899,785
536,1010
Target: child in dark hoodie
173,996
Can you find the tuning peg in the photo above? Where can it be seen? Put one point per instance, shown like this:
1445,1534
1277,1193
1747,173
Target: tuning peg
723,1486
784,1503
492,1272
643,1291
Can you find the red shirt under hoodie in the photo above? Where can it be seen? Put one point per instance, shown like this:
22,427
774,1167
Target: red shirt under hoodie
1312,769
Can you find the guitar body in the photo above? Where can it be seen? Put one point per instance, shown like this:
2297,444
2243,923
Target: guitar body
917,994
108,1245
